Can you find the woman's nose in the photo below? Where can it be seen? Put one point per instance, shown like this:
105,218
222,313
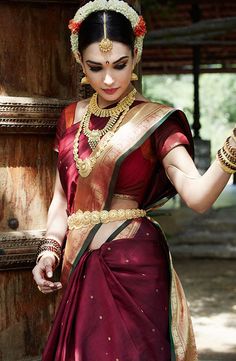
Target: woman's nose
108,80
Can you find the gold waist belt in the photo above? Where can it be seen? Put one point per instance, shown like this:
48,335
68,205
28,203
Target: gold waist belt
81,219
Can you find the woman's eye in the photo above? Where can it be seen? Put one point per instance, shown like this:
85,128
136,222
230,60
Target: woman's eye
120,66
95,68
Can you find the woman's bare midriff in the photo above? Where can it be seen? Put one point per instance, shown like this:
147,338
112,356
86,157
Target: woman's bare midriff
108,228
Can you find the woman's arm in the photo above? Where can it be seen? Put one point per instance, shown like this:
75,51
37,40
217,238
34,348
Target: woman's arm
57,216
198,192
56,230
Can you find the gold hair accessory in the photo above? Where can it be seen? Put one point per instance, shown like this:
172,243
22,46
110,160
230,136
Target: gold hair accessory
134,77
80,219
106,44
84,81
117,114
119,6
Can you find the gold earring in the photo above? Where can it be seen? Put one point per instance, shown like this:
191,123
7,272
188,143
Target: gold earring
134,77
84,81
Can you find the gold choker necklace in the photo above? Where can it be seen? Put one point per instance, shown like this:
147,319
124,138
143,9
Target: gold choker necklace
85,166
110,112
94,136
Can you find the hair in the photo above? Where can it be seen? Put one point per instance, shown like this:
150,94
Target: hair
118,29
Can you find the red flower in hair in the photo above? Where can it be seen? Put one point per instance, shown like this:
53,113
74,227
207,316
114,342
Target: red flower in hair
140,29
74,26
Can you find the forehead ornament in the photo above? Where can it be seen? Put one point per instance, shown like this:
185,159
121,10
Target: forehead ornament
106,44
119,6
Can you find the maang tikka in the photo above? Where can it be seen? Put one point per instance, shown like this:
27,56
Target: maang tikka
106,44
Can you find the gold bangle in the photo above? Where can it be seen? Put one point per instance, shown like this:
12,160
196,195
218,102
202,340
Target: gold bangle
228,155
234,135
231,149
226,160
223,166
43,253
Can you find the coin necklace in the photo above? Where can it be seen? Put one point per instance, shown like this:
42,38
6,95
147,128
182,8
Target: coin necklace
95,135
85,166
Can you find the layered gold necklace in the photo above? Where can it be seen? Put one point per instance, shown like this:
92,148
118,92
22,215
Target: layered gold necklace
94,136
116,115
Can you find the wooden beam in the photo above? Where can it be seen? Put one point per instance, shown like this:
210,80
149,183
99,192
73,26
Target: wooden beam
195,34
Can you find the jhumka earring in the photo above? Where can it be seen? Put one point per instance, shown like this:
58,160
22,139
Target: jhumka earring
134,77
106,44
84,81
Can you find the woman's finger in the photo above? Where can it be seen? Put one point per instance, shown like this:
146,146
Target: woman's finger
44,288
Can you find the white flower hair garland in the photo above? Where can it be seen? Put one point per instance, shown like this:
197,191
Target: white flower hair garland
137,22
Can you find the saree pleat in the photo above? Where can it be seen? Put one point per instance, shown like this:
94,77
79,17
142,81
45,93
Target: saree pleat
116,304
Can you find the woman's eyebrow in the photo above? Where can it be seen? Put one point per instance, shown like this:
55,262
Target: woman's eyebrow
115,62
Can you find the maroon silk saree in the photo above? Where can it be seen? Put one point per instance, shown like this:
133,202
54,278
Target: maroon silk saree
122,302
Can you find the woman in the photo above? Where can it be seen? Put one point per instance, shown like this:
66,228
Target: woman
120,158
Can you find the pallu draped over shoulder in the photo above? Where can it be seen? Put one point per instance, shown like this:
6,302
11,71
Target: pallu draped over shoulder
123,301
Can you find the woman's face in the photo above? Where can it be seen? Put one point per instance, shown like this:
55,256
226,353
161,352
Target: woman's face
109,73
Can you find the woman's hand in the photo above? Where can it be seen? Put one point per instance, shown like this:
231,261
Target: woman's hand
42,274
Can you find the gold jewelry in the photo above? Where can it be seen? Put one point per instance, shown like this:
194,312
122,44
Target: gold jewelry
48,252
80,219
228,155
229,148
84,81
120,107
106,44
123,196
224,167
224,162
225,157
234,134
94,136
51,247
134,77
85,166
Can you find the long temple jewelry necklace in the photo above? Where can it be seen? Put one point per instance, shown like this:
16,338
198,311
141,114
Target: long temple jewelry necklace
85,166
94,136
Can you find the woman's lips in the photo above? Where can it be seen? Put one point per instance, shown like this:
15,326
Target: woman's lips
110,91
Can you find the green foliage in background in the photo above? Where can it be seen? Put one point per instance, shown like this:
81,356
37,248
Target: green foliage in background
217,101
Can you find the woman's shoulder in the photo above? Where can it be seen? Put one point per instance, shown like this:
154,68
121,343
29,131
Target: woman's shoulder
81,104
152,104
74,111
